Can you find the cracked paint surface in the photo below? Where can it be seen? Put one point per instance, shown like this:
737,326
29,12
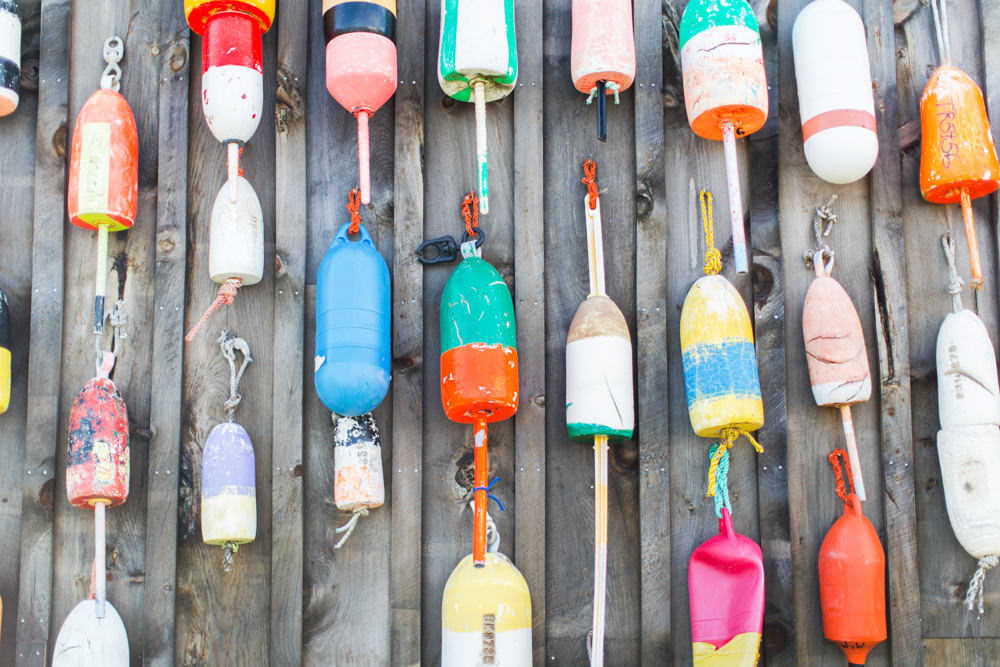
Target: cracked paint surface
357,463
97,468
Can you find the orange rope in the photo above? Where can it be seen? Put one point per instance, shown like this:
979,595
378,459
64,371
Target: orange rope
227,292
353,204
589,170
470,213
834,458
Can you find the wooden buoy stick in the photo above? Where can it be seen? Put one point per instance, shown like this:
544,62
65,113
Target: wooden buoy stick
233,154
595,247
100,278
602,111
363,169
735,197
484,186
852,451
970,236
100,577
600,547
479,495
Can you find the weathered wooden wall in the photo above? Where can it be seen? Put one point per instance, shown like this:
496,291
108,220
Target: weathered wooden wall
291,598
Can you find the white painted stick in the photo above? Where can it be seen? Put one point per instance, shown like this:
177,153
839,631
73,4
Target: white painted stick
484,186
595,247
100,576
233,150
735,198
852,451
600,547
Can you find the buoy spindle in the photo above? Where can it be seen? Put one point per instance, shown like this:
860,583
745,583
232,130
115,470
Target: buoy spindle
364,173
484,186
602,111
852,451
600,548
735,197
233,168
970,236
479,495
100,577
100,278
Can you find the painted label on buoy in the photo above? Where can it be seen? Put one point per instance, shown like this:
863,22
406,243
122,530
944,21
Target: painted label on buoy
10,57
236,236
97,468
228,486
968,388
477,44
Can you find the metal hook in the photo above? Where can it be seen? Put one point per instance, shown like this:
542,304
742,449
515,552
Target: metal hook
114,50
436,251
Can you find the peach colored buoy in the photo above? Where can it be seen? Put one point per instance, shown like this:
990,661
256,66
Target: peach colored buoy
602,59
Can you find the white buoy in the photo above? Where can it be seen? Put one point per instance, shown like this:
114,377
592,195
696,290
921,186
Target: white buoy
968,389
87,641
236,238
970,468
835,91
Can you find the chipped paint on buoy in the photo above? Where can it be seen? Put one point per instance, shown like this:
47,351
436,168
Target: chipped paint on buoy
357,463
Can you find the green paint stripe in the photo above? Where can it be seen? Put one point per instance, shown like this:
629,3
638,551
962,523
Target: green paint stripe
586,432
702,15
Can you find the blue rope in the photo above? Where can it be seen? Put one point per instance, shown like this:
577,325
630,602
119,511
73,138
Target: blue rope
489,495
721,488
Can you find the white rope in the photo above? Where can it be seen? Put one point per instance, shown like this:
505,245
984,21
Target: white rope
228,549
118,318
350,525
978,582
941,29
229,345
954,280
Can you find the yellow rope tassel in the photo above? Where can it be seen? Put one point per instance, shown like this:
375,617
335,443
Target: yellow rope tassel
713,258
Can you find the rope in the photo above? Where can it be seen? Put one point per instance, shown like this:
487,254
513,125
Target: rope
229,345
713,258
350,525
941,29
978,582
114,49
470,213
353,204
834,458
489,495
954,280
227,292
823,221
589,171
718,477
117,318
228,549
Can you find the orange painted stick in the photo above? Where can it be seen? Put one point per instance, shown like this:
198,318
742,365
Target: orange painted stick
970,236
479,479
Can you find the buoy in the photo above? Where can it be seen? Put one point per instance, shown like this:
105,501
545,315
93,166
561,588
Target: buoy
852,575
599,401
353,321
477,61
717,351
103,191
235,246
88,639
958,161
232,70
969,440
358,485
725,584
5,356
834,81
602,59
10,57
835,344
725,88
361,64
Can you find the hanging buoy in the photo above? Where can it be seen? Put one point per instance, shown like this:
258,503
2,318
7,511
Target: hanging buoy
834,81
228,471
852,576
232,69
103,189
599,401
10,57
969,440
353,321
958,161
602,59
235,246
725,584
87,639
361,64
717,350
5,356
358,485
725,88
477,61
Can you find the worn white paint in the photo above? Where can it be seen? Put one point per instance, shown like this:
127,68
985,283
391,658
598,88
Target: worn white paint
236,238
970,468
968,389
232,97
599,382
87,641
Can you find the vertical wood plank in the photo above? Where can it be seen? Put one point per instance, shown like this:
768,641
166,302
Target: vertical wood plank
33,604
651,337
529,305
407,340
969,652
168,344
289,314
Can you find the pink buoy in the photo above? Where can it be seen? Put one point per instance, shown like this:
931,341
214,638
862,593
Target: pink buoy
602,60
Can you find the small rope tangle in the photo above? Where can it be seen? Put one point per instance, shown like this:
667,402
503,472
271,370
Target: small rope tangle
976,585
713,258
941,29
718,477
117,318
348,527
353,204
487,489
114,49
718,452
226,295
834,458
470,213
823,221
228,549
589,173
229,345
955,283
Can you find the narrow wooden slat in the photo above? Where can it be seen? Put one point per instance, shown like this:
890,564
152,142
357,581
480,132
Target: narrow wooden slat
168,344
407,340
965,651
529,305
34,603
651,336
289,313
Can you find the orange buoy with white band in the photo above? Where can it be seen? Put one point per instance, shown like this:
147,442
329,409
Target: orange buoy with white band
602,59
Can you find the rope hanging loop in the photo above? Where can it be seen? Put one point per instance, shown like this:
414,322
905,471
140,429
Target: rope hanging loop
229,346
841,464
353,205
589,179
713,258
820,258
955,283
114,50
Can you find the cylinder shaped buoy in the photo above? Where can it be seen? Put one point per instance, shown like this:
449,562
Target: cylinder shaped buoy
228,486
726,597
353,320
97,468
198,12
477,44
603,47
478,345
835,345
968,389
970,466
5,355
720,364
723,67
236,237
10,57
834,81
486,615
599,398
956,146
104,164
357,464
232,76
852,584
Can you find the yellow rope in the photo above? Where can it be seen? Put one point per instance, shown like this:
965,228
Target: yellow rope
713,258
729,436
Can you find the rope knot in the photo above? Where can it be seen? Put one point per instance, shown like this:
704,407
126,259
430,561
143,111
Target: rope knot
834,458
226,296
978,582
589,179
489,495
229,346
470,213
353,204
955,283
348,527
713,258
